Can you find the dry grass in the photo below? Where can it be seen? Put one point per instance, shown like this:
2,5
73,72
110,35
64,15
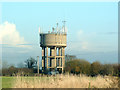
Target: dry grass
66,81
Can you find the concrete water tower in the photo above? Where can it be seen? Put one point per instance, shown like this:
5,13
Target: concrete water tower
53,49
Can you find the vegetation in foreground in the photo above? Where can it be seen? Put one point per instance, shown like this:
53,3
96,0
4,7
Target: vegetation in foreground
66,81
7,82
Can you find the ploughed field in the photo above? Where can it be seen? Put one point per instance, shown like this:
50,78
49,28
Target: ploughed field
60,81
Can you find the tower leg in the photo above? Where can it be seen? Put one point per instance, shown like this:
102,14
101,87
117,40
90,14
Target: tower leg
47,57
44,60
50,58
63,58
60,57
55,57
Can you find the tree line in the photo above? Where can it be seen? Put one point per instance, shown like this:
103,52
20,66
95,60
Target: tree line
72,65
78,66
29,68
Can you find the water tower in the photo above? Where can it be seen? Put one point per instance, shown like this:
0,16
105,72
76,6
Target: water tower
53,49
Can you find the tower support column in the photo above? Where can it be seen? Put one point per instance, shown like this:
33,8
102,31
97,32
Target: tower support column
60,57
47,57
63,58
55,57
42,58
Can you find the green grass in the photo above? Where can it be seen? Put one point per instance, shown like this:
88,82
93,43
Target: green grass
7,82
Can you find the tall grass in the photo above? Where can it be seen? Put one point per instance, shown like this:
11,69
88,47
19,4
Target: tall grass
66,81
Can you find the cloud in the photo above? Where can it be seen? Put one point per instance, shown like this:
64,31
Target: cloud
110,33
81,43
81,35
82,38
94,41
84,42
9,35
80,32
84,45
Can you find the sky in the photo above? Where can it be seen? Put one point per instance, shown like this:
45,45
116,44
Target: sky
92,29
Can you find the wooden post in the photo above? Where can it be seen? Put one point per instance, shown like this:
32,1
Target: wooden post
38,63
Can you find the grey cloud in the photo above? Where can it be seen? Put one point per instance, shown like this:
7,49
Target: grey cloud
108,33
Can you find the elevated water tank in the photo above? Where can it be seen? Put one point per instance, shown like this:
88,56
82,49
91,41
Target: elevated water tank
53,39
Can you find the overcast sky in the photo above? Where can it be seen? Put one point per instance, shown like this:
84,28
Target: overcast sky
92,29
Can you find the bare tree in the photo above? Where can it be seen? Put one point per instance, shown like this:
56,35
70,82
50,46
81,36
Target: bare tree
31,63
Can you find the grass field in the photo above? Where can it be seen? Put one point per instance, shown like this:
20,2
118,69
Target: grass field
60,81
7,82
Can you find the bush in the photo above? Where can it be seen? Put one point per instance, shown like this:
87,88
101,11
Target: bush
95,68
77,66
